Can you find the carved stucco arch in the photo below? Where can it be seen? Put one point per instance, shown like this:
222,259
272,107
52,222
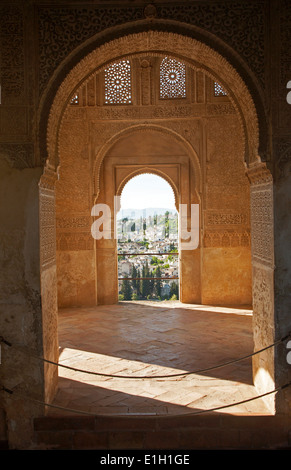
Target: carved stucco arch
192,51
152,171
143,128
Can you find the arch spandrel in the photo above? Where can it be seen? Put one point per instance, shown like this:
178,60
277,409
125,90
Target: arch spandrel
186,150
195,53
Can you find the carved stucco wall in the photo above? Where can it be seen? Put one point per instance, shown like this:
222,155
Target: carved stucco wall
143,42
191,50
92,134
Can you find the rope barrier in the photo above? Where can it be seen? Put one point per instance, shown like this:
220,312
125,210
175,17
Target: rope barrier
135,377
71,410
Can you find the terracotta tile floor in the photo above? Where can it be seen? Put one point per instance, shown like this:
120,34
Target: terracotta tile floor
148,338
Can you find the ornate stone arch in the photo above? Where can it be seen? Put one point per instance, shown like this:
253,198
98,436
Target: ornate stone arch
143,128
195,53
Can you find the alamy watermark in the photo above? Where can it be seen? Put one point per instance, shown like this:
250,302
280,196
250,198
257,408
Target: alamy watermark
188,223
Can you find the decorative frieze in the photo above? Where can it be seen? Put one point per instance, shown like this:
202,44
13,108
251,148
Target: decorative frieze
12,53
71,241
74,222
240,25
217,218
145,82
220,108
62,29
47,218
47,229
226,238
262,219
152,112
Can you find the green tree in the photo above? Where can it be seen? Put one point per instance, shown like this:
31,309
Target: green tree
138,284
158,282
167,225
126,289
134,274
123,222
173,248
174,290
146,283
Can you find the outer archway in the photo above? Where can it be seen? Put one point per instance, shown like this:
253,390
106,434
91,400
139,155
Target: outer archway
201,58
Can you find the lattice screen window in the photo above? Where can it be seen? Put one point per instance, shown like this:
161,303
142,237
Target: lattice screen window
172,79
75,99
118,83
219,90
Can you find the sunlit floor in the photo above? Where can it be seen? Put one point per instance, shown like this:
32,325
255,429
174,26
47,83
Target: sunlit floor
146,339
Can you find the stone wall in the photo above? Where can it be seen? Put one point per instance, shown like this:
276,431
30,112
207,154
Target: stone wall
20,301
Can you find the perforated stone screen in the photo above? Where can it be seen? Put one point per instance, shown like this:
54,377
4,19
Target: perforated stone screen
75,99
118,83
219,90
172,79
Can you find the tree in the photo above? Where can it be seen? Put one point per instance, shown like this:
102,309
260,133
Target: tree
126,289
167,225
138,284
158,282
174,290
133,275
173,248
123,222
146,283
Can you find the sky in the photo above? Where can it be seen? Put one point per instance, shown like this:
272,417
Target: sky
146,191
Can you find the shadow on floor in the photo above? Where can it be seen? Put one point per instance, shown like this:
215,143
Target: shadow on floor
139,339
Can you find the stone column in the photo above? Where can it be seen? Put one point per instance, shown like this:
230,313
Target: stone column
48,277
262,237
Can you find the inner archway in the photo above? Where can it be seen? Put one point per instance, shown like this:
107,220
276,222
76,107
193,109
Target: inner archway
148,240
153,149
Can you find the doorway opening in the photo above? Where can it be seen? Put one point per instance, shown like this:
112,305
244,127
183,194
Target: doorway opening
147,240
205,132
